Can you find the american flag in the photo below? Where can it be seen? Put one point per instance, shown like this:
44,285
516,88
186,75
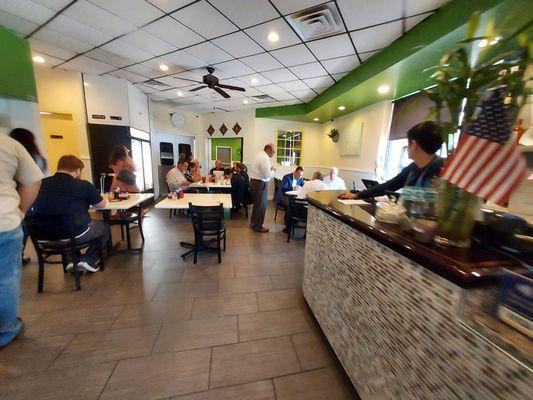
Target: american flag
487,161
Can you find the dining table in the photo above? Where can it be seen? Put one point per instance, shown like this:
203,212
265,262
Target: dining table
210,185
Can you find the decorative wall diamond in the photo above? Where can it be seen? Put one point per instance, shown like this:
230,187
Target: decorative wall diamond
210,130
236,128
223,129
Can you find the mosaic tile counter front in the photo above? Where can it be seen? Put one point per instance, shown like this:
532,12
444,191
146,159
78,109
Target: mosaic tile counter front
394,324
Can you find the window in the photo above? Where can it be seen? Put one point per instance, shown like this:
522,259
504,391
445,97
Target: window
289,148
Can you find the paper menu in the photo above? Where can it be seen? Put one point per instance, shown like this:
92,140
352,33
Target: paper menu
357,202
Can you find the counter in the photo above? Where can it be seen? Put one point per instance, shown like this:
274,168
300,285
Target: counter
391,309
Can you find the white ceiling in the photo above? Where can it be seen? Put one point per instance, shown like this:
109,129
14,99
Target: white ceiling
131,38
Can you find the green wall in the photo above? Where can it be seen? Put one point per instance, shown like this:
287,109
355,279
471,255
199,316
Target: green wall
235,144
16,68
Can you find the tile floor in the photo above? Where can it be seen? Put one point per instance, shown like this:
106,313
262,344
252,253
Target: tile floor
155,327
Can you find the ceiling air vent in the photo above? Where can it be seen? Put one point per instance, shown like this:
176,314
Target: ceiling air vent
155,84
317,22
263,98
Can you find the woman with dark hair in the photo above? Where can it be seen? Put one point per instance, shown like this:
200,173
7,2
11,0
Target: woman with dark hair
240,187
27,140
123,168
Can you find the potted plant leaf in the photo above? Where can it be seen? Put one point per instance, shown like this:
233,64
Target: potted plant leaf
483,100
334,135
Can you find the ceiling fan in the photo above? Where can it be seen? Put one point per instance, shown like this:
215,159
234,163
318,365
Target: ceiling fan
211,81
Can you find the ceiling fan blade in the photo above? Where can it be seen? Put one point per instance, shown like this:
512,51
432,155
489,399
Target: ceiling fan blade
240,89
221,92
198,88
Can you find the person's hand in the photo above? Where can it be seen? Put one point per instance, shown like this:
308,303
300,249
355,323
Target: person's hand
186,184
347,196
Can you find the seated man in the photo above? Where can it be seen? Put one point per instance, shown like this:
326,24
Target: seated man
292,181
334,181
218,167
66,193
424,140
314,185
176,177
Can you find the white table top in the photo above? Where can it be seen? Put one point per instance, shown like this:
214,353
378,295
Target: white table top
210,185
134,200
197,199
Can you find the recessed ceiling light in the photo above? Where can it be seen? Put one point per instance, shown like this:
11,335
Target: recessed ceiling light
180,93
273,36
38,59
483,43
383,89
163,67
254,81
245,101
45,113
315,119
341,108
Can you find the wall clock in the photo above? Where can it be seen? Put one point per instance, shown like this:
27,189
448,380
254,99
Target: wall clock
177,119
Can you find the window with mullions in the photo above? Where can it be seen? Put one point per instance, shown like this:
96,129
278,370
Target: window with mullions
289,148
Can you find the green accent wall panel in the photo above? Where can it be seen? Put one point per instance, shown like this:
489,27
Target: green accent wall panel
16,68
234,143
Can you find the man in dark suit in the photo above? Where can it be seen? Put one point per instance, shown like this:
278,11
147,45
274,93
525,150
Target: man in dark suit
288,183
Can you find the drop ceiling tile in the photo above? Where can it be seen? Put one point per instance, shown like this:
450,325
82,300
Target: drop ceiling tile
250,91
136,12
271,89
261,62
191,76
204,20
70,27
332,47
280,75
146,89
203,71
294,55
184,60
109,58
28,10
155,63
130,76
147,42
62,41
260,33
235,68
209,53
238,44
320,89
169,94
360,13
55,5
367,55
98,18
305,94
338,77
126,50
341,64
50,49
49,61
17,24
320,82
143,70
87,65
412,21
377,37
155,97
288,7
177,83
172,31
294,86
310,70
282,96
170,5
246,13
291,102
247,80
413,7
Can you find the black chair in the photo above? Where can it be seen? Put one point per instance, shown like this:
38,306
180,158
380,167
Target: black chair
70,248
209,228
127,221
279,206
297,215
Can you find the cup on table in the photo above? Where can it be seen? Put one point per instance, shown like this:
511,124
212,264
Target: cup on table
203,179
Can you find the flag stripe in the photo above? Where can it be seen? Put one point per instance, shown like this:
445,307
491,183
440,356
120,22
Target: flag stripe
497,172
458,155
479,164
469,157
509,182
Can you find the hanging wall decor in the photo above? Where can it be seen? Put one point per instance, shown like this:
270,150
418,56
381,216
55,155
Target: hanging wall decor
210,130
236,128
223,129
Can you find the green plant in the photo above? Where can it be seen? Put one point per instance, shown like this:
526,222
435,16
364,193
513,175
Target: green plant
334,134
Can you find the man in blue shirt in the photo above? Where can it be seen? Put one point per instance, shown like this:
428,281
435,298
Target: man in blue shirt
66,193
288,183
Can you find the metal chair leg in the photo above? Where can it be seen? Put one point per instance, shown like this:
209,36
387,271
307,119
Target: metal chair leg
140,225
75,260
289,232
276,213
218,249
40,282
101,256
225,234
197,240
128,236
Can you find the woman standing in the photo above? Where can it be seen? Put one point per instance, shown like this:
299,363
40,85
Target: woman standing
123,168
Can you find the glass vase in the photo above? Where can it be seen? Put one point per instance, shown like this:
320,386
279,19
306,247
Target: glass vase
457,210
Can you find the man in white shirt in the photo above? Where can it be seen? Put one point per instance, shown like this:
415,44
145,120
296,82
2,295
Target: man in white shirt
176,176
314,185
334,181
260,172
20,179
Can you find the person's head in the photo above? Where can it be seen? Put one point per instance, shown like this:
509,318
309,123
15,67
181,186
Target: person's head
424,139
270,149
298,172
26,139
71,165
119,153
333,173
218,165
228,172
193,166
318,175
183,164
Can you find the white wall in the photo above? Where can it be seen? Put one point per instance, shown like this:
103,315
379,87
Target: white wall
15,113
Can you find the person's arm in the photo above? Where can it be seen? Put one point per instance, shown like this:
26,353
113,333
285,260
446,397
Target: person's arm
28,193
28,177
286,185
265,169
93,196
379,190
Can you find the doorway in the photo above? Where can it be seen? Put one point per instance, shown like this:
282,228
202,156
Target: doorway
59,138
227,150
